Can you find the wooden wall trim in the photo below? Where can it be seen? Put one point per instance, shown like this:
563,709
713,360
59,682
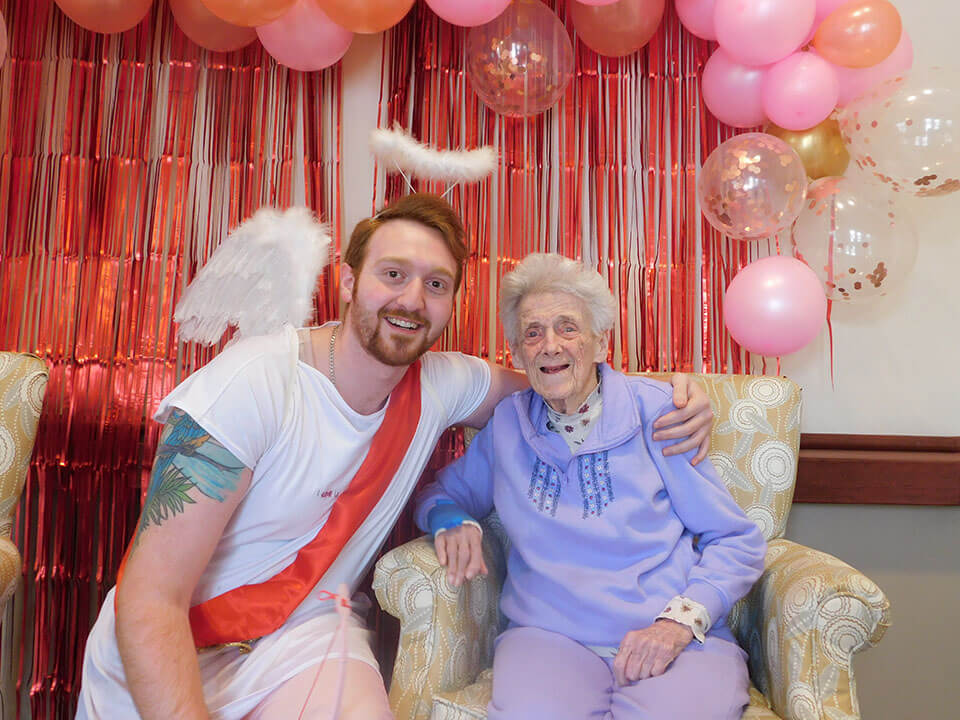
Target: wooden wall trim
878,470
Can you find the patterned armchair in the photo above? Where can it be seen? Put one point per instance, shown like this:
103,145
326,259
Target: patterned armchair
801,623
23,381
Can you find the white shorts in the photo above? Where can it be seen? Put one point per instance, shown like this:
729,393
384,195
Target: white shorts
233,682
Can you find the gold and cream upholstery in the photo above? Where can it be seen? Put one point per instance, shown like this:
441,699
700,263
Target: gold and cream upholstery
23,381
801,623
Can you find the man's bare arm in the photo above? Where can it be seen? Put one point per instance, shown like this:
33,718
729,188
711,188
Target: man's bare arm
503,382
195,486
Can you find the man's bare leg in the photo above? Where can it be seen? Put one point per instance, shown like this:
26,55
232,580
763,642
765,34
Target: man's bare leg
364,697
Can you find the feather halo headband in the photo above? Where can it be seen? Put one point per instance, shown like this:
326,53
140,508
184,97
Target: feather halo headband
398,149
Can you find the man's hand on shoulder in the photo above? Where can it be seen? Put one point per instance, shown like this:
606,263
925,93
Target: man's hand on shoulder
690,423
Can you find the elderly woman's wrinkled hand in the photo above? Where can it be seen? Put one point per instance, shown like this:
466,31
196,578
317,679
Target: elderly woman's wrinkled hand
460,550
691,422
647,653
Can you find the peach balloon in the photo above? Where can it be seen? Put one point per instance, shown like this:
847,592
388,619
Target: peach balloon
859,34
248,13
855,82
305,38
207,30
106,16
366,16
618,29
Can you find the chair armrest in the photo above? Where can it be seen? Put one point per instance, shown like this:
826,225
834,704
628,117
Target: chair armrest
9,570
446,633
802,622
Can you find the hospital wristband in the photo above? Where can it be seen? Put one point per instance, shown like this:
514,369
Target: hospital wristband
446,515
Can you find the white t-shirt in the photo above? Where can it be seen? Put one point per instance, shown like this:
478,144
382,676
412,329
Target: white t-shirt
285,420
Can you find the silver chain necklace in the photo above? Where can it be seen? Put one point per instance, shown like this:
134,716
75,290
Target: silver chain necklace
333,340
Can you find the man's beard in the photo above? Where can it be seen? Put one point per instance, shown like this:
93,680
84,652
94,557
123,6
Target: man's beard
396,351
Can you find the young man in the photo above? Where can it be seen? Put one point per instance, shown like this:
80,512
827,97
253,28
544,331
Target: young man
282,467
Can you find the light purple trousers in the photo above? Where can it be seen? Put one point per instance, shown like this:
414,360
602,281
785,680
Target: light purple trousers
541,674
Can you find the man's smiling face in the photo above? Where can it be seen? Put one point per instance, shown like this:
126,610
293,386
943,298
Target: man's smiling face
402,297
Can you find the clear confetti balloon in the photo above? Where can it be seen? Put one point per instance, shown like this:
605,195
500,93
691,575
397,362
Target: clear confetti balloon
752,186
854,238
521,62
906,132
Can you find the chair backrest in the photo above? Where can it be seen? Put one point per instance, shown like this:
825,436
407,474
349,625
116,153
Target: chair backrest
23,381
755,442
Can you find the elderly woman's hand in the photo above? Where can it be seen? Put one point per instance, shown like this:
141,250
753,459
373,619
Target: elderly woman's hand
460,550
648,652
692,420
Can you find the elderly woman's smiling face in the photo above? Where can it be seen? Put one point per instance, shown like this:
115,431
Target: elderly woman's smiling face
558,349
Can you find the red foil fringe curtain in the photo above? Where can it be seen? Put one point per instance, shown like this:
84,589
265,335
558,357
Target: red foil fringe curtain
124,159
607,176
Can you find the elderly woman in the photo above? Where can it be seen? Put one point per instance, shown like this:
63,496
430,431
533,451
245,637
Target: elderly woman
623,563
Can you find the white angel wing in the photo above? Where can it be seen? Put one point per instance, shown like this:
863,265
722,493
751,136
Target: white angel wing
262,276
398,149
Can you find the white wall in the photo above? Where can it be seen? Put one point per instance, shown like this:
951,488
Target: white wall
894,374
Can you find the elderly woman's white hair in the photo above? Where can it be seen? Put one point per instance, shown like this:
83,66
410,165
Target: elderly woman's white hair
549,272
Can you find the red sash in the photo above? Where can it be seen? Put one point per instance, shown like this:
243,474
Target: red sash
252,611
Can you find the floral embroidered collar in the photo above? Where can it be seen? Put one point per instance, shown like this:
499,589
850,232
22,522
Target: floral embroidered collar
575,427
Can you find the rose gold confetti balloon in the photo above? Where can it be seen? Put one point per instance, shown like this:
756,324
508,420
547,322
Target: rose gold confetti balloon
521,62
752,186
854,238
907,132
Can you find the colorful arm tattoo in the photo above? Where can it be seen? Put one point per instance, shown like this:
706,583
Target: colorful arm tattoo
187,458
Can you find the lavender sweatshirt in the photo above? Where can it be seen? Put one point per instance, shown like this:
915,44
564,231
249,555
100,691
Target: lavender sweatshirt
602,540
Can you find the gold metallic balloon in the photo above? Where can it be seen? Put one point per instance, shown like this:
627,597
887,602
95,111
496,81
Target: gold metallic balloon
821,148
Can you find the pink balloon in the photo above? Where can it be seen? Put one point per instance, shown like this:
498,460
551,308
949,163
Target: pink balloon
469,13
732,91
775,306
304,38
855,82
800,91
697,17
824,8
596,3
760,32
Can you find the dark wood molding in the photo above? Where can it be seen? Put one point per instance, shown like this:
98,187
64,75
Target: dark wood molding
878,470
